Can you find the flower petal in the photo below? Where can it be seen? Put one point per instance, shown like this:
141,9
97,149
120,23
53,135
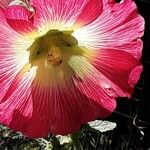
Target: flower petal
117,66
13,54
60,110
5,3
37,109
93,84
20,19
91,11
11,63
58,14
119,25
17,101
134,75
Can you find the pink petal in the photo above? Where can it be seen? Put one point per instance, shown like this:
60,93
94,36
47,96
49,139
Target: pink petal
57,13
60,110
17,12
13,54
102,92
11,63
37,110
5,3
135,47
119,25
117,66
91,11
134,75
17,101
20,19
7,74
93,84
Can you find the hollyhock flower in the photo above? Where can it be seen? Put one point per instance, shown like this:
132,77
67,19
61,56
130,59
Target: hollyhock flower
66,63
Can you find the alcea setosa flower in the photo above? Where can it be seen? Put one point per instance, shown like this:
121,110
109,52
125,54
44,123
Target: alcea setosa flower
66,62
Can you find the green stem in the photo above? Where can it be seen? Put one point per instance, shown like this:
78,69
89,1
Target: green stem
76,142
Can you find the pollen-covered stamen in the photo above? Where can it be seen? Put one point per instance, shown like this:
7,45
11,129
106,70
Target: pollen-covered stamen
53,48
54,56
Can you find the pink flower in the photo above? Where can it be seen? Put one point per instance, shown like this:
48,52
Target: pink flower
66,63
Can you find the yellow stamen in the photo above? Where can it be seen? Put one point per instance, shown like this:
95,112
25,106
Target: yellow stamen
54,56
51,47
51,54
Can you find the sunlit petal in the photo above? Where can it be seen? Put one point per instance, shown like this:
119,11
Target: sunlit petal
118,27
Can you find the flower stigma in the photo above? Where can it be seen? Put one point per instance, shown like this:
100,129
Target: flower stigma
54,48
